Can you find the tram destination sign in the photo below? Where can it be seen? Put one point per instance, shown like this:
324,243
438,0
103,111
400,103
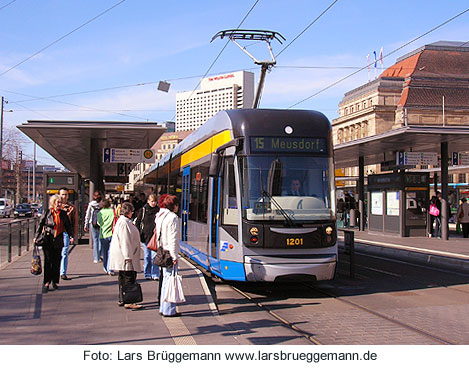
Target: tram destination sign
288,144
128,155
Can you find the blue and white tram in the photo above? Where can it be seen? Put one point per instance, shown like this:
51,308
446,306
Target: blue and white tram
257,195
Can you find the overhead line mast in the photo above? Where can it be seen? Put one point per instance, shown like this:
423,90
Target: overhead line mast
254,35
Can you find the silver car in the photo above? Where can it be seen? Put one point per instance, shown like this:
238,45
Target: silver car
6,208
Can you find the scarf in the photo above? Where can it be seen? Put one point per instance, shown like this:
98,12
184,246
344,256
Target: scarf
58,225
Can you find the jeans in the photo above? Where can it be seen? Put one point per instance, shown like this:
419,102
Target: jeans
435,226
64,261
167,309
150,270
105,244
96,243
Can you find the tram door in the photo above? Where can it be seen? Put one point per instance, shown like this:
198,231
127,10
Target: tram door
214,223
186,179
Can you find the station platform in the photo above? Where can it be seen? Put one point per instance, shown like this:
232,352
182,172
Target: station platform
84,310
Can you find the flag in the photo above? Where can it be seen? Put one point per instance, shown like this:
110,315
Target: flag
381,56
374,52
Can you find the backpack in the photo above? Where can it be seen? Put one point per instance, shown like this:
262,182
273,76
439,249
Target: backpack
94,217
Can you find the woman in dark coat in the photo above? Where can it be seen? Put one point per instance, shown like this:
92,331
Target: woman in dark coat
145,223
53,223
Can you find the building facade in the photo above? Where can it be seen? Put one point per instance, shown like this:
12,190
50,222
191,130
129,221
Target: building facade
426,87
216,93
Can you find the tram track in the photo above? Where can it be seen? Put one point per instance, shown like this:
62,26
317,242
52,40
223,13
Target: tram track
407,326
314,340
413,279
278,317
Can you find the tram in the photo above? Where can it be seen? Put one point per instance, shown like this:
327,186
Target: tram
256,189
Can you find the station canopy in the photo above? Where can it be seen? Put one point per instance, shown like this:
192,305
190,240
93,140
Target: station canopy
78,145
382,148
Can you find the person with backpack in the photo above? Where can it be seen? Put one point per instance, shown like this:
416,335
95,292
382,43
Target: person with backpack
91,224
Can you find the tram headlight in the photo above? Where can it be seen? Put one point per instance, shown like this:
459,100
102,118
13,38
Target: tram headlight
329,236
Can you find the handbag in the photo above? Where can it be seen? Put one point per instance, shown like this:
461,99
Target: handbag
174,293
132,293
434,210
153,243
36,265
163,258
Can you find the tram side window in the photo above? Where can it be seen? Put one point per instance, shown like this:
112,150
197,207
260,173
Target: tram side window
198,194
229,203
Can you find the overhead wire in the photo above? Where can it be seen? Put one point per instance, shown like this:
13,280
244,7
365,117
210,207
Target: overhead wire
76,105
221,51
4,6
384,56
302,32
62,37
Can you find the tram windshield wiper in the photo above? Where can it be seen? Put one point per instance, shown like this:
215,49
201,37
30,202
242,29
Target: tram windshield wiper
287,217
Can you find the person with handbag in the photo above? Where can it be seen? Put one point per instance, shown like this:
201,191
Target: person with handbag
435,217
52,225
145,223
167,228
124,254
463,217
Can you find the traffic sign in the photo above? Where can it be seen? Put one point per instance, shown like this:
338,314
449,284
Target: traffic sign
128,155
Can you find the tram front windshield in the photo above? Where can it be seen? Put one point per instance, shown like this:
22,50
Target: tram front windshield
286,187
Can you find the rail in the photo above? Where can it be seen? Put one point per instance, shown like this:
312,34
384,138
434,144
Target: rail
16,238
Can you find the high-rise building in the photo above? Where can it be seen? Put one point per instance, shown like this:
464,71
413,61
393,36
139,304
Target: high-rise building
216,93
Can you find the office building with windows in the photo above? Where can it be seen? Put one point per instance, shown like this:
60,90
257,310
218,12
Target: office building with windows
216,93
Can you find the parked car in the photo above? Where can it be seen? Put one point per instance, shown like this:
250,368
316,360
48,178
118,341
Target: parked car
6,208
23,210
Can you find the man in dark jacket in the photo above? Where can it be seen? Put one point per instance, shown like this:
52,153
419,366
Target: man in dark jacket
145,223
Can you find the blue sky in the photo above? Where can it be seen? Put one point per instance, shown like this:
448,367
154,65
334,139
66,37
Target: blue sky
141,42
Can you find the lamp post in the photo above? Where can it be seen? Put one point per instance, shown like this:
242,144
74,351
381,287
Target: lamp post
1,146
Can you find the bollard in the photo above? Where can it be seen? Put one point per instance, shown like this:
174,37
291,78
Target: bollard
353,217
349,245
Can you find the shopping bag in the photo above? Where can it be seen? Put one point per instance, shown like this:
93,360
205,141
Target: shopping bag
36,266
434,210
174,293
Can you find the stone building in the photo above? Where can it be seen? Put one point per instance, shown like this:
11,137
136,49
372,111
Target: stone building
426,87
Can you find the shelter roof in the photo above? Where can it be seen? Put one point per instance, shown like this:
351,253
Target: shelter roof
69,142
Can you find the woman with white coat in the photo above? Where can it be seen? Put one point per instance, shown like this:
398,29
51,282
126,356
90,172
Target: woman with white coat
124,254
167,227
